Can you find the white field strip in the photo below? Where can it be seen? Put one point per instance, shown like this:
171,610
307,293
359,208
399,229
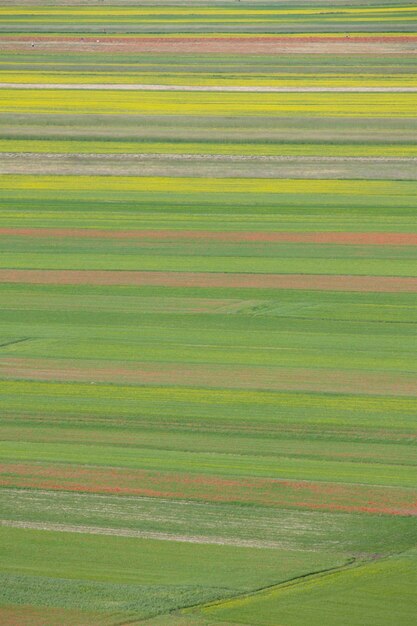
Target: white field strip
139,534
206,88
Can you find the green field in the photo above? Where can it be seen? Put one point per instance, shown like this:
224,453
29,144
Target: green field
208,289
340,597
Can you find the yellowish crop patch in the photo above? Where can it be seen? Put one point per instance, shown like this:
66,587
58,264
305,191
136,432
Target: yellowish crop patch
185,79
206,103
207,148
206,185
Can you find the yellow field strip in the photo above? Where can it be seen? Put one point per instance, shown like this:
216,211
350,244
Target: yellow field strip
166,101
190,81
205,185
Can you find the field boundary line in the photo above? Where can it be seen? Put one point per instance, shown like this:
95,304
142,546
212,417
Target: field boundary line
14,341
189,610
351,563
291,582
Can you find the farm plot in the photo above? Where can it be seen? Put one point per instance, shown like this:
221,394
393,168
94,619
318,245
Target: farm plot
123,578
208,313
210,62
228,18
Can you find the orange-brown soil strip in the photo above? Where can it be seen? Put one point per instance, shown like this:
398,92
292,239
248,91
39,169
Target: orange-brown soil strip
12,615
211,376
320,282
232,45
343,238
267,491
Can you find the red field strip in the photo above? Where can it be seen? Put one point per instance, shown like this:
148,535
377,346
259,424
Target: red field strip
230,45
281,493
343,238
211,376
320,282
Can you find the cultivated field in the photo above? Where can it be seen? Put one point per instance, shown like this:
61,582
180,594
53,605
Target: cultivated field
208,288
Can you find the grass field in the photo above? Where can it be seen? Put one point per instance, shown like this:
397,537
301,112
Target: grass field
208,295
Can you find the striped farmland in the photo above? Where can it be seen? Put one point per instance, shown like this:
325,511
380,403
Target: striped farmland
208,325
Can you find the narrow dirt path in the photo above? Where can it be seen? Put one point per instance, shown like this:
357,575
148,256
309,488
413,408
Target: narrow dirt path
139,534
